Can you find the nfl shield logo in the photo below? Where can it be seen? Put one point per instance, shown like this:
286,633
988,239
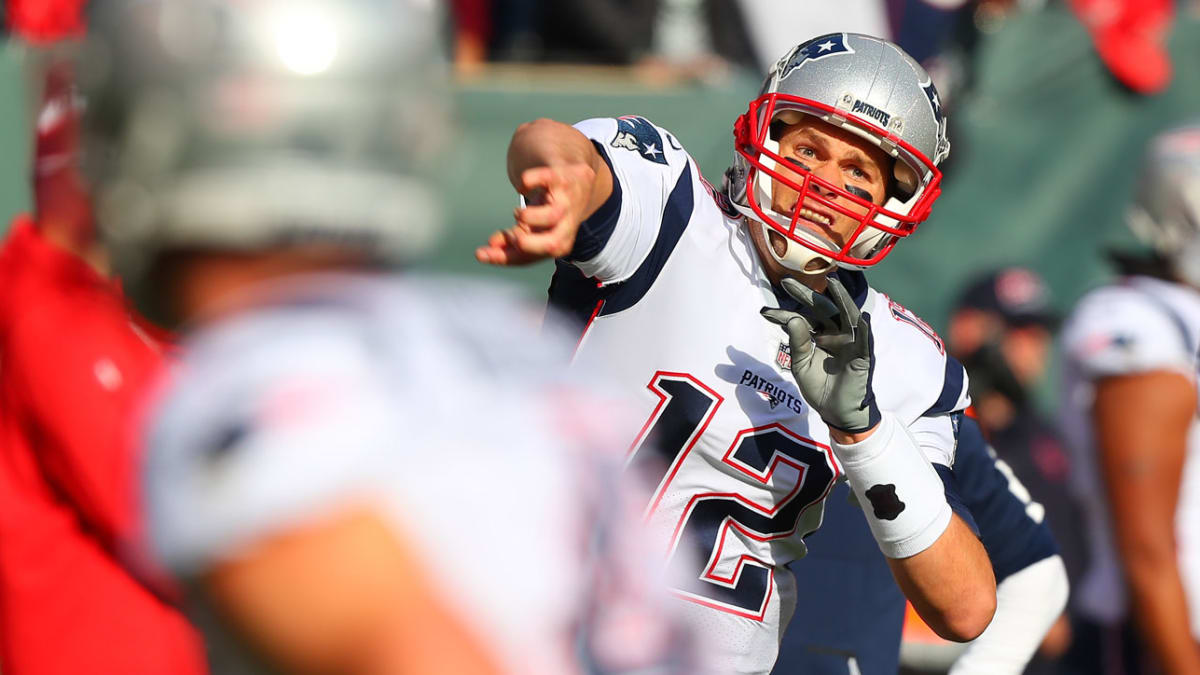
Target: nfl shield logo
784,357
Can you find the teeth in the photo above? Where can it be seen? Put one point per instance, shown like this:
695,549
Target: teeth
815,217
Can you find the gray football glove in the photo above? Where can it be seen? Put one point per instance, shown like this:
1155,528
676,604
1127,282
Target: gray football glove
832,357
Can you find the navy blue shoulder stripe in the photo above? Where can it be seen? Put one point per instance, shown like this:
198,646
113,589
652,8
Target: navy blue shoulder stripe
676,215
575,295
595,232
1189,342
952,389
572,294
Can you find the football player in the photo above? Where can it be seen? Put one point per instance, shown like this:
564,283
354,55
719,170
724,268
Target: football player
349,472
1130,419
749,428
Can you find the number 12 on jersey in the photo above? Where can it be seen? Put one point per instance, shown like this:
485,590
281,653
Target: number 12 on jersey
766,455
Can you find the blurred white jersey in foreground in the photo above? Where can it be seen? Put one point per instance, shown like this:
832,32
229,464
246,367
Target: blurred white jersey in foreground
444,406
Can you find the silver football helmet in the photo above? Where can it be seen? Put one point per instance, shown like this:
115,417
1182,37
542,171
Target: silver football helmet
1165,212
872,88
243,126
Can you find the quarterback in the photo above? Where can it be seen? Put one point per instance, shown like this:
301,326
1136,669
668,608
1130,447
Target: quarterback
747,428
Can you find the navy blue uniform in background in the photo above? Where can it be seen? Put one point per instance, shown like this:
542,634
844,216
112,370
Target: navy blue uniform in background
849,607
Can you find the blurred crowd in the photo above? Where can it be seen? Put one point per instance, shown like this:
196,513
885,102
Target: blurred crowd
1089,412
698,36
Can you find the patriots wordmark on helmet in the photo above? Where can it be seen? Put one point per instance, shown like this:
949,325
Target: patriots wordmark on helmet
865,109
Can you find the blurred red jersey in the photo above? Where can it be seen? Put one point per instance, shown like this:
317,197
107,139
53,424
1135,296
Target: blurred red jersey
72,367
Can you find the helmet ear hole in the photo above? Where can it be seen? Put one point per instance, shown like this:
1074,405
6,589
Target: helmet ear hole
782,120
905,182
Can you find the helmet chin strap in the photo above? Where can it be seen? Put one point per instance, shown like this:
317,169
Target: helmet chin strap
795,257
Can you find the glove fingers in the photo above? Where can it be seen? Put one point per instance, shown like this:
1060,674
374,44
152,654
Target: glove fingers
800,339
777,316
824,310
799,330
862,338
845,304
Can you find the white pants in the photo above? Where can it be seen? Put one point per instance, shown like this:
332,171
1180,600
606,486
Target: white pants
1027,604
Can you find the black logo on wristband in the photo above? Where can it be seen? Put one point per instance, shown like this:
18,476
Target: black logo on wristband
884,502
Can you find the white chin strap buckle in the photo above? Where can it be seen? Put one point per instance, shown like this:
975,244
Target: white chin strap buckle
797,258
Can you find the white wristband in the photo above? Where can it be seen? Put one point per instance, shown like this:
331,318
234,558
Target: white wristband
900,493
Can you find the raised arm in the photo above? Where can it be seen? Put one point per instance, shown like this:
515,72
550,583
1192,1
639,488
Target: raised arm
563,179
1141,423
937,560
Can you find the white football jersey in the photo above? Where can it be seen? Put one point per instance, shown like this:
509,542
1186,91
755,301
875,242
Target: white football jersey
670,289
442,405
1138,325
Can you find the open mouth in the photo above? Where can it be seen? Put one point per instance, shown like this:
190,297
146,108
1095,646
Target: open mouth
819,223
817,218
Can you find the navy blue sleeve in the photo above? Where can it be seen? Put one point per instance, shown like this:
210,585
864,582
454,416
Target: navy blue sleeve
595,231
952,388
847,600
950,485
1013,540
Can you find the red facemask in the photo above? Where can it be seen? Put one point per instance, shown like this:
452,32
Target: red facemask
876,224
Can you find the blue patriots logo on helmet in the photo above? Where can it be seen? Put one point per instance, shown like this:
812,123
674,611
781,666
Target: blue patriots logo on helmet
934,101
639,135
814,49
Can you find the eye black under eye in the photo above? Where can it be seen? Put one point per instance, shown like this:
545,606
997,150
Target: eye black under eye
858,192
802,165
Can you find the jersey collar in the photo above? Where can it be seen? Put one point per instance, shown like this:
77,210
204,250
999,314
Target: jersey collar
854,281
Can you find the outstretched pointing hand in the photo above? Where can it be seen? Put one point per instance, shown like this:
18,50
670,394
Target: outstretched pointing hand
832,358
557,202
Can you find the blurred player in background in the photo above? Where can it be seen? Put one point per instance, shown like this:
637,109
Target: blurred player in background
350,473
860,629
1130,418
749,428
73,364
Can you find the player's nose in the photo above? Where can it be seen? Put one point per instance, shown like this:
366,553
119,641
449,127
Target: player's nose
828,172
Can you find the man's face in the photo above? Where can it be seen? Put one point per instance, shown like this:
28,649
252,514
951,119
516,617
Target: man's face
840,157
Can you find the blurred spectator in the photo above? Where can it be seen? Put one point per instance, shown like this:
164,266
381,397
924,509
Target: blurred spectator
598,31
668,40
1129,411
75,362
515,30
1002,330
41,22
472,32
1130,36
